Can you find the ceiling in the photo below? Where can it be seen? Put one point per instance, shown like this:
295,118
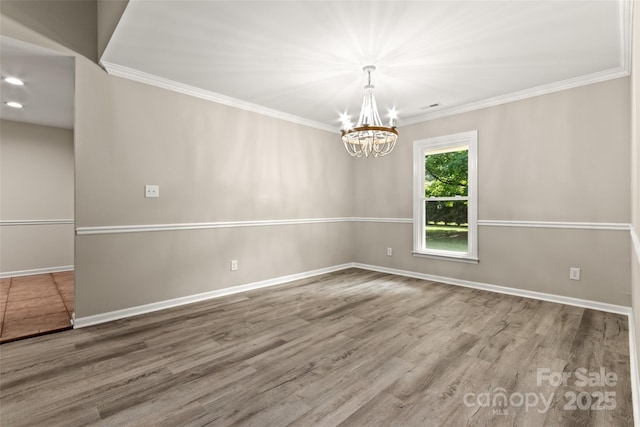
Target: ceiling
48,91
302,60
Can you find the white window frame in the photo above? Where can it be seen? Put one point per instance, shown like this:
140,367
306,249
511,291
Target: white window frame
443,143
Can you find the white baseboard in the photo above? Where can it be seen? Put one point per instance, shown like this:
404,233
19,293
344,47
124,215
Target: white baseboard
35,271
595,305
635,375
81,322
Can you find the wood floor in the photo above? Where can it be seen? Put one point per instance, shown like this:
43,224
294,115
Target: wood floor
352,348
37,304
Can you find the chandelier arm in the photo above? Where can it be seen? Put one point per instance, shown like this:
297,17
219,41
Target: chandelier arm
373,128
369,137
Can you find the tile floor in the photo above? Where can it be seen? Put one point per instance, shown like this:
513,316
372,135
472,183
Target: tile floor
33,305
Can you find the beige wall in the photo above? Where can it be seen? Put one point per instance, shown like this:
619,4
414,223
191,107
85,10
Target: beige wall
213,163
117,271
109,13
561,157
558,157
71,23
635,177
36,183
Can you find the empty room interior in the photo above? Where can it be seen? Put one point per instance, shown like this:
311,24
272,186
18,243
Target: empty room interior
308,213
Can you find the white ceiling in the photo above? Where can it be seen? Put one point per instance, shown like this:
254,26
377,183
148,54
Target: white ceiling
48,91
302,60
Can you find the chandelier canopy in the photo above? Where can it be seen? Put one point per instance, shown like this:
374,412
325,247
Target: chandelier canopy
370,136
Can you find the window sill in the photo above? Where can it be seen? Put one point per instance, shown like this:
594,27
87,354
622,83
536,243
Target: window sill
466,259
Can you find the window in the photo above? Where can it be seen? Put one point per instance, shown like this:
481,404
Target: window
445,208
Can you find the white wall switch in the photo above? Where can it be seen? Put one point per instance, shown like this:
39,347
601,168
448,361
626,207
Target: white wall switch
574,273
389,251
151,191
234,264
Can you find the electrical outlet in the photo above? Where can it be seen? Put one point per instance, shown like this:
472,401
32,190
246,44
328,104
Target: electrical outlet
234,264
389,251
151,191
574,273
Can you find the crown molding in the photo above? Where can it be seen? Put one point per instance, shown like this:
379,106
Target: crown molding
185,89
625,12
626,33
546,89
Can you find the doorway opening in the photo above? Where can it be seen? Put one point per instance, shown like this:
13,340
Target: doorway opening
37,290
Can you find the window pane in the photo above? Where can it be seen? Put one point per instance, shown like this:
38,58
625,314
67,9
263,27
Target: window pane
446,227
446,174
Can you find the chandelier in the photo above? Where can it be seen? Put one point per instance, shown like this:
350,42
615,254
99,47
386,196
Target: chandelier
369,137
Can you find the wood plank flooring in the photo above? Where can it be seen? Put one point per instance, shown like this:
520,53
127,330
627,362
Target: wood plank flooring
351,348
34,305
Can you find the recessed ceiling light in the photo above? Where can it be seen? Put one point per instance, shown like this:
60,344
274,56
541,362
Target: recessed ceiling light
14,81
14,104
